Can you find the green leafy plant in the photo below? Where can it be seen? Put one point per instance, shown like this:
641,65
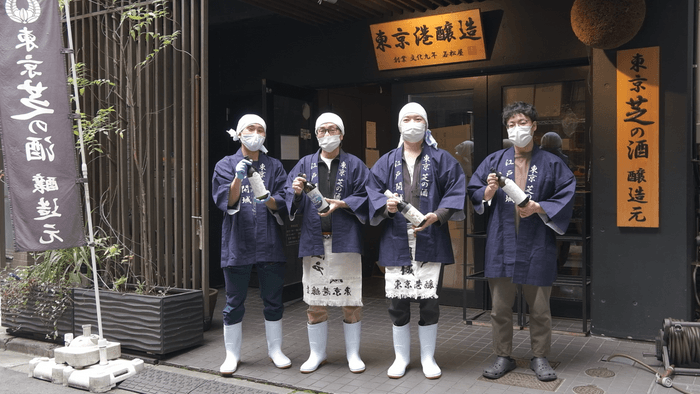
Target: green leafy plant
43,289
26,290
134,36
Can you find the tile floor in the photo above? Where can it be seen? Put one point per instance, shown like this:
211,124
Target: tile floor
463,351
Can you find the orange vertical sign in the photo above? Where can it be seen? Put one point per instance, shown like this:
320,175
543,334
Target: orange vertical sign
638,137
438,39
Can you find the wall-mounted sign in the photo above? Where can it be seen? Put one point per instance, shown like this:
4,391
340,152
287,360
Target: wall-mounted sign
427,41
638,137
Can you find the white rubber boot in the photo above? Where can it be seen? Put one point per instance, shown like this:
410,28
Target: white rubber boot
273,331
318,336
232,342
352,346
402,348
428,337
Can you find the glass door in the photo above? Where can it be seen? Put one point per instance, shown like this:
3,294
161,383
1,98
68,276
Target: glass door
465,116
561,98
457,119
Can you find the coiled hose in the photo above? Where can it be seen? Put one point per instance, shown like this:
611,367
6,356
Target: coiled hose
683,345
659,378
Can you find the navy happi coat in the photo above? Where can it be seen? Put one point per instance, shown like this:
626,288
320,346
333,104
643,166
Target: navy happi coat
443,186
347,223
250,232
530,257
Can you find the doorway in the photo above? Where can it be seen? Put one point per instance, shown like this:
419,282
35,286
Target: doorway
464,115
457,118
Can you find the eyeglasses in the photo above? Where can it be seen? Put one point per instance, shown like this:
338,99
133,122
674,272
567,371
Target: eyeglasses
330,130
521,122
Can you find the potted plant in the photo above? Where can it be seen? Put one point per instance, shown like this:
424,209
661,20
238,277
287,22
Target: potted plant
55,296
36,299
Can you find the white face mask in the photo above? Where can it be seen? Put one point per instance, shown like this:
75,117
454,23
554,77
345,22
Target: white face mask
329,143
413,131
253,141
520,135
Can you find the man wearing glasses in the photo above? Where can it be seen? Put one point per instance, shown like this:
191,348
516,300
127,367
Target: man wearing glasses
521,245
331,242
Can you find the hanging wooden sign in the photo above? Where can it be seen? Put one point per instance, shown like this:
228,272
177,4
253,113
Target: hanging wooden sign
638,137
427,41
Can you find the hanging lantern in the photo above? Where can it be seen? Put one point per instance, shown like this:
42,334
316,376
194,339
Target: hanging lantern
606,24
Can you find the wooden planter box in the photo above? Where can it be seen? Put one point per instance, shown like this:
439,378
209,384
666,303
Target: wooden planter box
152,324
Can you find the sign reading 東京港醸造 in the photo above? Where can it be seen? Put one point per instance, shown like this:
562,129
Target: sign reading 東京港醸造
427,41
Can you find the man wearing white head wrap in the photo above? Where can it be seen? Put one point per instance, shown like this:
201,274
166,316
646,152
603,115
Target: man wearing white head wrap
412,128
432,181
331,242
251,235
252,140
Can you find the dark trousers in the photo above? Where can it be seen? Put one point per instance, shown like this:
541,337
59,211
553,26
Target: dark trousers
271,279
400,308
400,311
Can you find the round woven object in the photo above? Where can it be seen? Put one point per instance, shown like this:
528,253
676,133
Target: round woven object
606,24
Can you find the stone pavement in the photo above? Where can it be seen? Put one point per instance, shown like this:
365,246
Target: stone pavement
14,367
463,351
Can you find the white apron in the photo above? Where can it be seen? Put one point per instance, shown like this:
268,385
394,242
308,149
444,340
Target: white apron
419,280
334,279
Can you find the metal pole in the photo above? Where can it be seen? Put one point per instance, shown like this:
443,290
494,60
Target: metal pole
91,239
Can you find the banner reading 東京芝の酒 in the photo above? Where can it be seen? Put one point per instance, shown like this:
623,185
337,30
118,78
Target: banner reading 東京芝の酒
638,136
38,145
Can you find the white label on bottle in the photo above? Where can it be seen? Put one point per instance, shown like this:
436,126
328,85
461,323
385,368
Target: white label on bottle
414,216
514,192
317,199
259,189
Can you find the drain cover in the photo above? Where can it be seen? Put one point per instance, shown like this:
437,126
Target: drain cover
600,372
153,381
588,390
529,381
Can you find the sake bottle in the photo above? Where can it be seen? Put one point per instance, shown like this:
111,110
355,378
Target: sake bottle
408,210
256,182
512,190
315,195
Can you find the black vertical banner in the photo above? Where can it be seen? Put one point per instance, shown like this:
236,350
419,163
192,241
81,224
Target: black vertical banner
38,145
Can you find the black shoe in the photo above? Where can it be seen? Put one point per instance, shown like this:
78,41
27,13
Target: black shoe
500,367
542,369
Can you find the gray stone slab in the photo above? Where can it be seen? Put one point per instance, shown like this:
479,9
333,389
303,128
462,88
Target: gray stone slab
155,381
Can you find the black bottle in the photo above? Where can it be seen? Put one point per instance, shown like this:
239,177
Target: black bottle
315,195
